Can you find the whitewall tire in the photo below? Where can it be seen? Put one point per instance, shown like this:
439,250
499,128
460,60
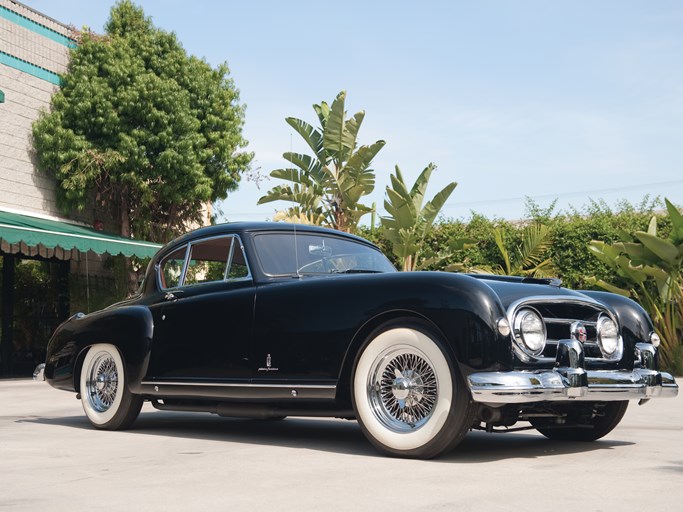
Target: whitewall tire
105,397
408,398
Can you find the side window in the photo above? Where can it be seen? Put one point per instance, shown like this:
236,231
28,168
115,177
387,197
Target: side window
208,260
238,265
211,260
171,268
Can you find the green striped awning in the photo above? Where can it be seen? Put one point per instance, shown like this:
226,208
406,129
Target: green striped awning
31,236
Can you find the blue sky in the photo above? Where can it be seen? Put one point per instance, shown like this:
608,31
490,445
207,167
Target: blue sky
567,99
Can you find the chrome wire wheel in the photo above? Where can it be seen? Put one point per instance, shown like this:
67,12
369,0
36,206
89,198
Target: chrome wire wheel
408,398
106,399
102,382
402,388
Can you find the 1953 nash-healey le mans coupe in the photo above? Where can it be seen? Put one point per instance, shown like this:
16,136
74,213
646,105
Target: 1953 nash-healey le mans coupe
267,320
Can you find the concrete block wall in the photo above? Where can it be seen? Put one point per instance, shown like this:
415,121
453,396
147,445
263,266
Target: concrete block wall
34,50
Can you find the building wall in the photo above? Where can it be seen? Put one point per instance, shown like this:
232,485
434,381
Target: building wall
34,50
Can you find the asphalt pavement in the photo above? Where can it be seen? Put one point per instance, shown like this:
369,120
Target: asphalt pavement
52,459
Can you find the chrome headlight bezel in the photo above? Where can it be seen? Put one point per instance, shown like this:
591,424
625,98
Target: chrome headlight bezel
608,337
529,331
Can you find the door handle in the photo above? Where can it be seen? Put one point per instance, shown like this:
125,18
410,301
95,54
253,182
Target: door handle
170,296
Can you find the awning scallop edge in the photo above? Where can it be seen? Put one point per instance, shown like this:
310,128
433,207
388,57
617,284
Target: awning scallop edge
33,236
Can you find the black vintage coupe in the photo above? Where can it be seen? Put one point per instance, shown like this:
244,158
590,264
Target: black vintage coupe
267,320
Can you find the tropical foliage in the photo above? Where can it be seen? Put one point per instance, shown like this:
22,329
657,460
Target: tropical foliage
408,222
140,129
327,186
528,259
649,269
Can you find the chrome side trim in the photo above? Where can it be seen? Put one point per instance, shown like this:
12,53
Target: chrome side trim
551,385
238,391
233,385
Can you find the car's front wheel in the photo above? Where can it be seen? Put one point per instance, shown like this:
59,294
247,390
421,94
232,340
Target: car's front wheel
584,424
408,397
107,402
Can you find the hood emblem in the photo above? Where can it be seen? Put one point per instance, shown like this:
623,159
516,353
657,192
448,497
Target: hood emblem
578,332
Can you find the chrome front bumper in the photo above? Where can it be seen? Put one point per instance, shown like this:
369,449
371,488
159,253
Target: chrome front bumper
570,381
551,385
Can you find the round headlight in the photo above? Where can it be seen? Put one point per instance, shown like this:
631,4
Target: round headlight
608,336
530,330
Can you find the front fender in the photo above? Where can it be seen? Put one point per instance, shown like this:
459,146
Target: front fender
636,324
129,328
461,310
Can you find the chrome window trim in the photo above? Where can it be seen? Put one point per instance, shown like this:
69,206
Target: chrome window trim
185,265
181,282
226,272
246,261
159,270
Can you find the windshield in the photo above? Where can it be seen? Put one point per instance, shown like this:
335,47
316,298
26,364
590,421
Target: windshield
317,254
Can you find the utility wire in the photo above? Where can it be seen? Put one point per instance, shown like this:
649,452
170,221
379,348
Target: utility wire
580,193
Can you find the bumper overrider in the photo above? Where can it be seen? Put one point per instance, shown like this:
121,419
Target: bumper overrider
569,380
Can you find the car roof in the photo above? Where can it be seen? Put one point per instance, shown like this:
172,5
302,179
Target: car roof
241,228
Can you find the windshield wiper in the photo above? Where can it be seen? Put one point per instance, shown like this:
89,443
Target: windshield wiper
356,271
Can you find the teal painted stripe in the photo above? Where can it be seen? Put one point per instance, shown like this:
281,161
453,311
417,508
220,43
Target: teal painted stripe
23,21
31,69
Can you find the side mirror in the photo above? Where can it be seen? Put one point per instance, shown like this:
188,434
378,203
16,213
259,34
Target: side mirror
319,250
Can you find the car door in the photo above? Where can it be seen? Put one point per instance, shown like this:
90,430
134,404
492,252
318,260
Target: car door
303,325
204,314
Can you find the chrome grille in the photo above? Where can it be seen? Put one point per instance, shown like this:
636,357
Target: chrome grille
560,329
559,313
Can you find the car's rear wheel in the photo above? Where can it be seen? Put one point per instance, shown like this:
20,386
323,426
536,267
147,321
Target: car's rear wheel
586,427
107,402
408,396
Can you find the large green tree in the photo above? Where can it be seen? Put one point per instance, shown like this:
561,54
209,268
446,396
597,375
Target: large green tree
141,129
327,187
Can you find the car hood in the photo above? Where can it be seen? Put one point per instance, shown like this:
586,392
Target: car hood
512,289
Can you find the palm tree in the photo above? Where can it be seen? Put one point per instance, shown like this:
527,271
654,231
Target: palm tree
528,260
408,222
650,270
328,186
